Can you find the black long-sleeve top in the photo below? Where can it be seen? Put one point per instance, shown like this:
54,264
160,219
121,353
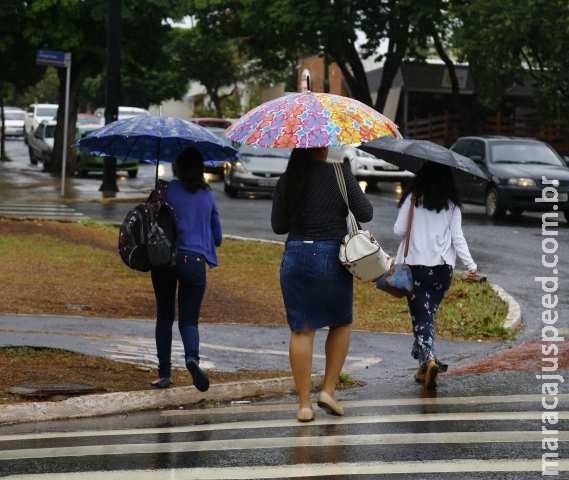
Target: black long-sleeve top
324,210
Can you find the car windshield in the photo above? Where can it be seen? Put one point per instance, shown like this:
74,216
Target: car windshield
14,115
523,152
50,131
265,152
87,120
46,111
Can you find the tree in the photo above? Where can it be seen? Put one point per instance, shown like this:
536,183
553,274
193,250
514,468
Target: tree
18,60
209,59
280,31
79,27
517,42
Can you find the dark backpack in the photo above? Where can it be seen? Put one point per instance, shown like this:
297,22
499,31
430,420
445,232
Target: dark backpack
147,235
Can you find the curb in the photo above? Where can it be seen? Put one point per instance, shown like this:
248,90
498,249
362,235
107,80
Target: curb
514,316
126,402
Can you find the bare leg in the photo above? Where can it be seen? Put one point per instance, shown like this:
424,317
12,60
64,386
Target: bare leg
300,353
337,345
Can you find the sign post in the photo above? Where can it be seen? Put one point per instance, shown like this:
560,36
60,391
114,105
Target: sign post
59,59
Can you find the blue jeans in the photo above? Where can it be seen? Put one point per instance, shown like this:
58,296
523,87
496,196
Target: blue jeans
430,286
189,278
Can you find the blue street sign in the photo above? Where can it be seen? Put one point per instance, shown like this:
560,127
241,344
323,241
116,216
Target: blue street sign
51,58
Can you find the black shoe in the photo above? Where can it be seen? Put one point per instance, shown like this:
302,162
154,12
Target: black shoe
200,378
162,382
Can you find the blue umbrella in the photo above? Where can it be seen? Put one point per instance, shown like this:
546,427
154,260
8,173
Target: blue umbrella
153,139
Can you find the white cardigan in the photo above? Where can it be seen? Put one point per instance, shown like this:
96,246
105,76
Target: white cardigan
436,238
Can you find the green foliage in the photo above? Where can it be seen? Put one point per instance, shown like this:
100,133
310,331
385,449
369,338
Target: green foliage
517,42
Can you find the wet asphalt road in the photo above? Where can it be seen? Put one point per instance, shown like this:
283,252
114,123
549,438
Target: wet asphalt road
509,252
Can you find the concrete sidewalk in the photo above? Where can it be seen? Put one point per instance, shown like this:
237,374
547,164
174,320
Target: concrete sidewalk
375,358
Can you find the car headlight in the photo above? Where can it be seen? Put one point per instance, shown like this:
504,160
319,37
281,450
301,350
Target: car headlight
522,182
239,167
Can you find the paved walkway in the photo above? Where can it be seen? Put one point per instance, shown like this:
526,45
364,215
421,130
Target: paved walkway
228,347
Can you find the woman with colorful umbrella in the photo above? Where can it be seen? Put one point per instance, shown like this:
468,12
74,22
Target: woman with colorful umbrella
307,205
317,290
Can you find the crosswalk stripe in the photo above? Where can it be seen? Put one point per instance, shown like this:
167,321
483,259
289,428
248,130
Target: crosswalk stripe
39,210
286,442
310,470
328,420
389,402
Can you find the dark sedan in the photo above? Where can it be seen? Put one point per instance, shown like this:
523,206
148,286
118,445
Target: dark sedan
519,169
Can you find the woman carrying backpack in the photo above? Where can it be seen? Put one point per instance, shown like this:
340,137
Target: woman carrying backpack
198,234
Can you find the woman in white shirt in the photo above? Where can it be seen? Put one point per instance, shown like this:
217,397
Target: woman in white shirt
435,242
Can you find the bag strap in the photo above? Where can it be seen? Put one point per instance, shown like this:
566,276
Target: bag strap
408,230
350,219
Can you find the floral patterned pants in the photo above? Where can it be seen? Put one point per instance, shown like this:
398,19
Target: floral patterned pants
430,286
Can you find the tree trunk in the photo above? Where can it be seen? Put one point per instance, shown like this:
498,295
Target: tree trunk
214,96
3,157
353,70
396,51
451,70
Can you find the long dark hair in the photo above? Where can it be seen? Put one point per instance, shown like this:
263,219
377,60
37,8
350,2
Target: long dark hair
433,187
189,168
296,171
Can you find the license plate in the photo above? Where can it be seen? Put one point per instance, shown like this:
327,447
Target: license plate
563,197
267,182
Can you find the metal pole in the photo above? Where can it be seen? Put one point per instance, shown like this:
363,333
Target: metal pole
109,185
65,121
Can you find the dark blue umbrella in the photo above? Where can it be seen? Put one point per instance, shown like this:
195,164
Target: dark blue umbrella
153,139
412,154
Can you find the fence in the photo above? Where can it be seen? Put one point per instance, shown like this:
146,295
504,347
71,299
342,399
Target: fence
444,129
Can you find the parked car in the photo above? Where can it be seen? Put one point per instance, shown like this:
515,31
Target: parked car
516,167
222,123
91,163
14,119
256,170
37,113
40,143
124,113
366,166
216,126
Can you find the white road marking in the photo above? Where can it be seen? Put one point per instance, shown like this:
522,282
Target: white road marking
287,442
382,402
314,470
288,423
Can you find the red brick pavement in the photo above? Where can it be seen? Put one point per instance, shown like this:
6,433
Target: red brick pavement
526,357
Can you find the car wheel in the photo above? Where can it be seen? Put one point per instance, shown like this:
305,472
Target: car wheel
132,173
494,208
516,212
33,160
230,191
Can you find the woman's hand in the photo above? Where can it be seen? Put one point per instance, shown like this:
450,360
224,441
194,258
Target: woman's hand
471,274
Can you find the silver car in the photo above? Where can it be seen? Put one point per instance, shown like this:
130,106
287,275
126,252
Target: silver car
256,170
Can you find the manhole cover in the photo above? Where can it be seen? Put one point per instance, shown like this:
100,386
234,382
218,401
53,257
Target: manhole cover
48,390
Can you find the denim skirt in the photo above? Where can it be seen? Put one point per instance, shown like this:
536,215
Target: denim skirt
317,289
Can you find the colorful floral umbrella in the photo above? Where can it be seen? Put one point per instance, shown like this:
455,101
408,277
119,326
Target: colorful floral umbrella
309,120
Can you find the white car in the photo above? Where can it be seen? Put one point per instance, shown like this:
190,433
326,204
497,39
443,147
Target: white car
124,113
14,121
40,143
366,166
37,113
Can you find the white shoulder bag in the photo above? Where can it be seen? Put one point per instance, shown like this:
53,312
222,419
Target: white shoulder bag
360,252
